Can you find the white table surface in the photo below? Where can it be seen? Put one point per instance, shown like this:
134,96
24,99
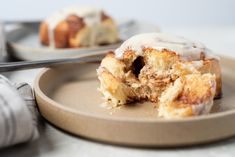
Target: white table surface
54,142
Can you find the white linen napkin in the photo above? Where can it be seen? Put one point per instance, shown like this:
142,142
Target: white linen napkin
18,113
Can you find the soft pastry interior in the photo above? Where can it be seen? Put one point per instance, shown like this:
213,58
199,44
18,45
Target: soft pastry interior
78,27
181,76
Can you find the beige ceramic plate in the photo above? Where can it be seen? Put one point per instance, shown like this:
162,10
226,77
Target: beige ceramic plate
67,96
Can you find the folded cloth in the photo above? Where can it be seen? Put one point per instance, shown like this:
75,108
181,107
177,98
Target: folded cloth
18,113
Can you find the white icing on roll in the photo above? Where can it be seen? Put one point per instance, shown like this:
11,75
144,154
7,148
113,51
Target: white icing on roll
187,49
90,15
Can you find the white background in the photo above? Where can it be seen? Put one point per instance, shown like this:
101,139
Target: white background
162,12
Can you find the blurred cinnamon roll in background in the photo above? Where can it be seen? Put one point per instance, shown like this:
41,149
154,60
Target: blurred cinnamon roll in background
78,27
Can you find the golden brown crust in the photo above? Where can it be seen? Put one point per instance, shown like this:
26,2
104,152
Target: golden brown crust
43,33
161,60
75,24
61,35
114,89
189,95
196,90
128,58
113,65
212,66
104,16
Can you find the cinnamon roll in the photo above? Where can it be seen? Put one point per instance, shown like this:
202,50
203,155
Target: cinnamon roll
181,76
78,27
